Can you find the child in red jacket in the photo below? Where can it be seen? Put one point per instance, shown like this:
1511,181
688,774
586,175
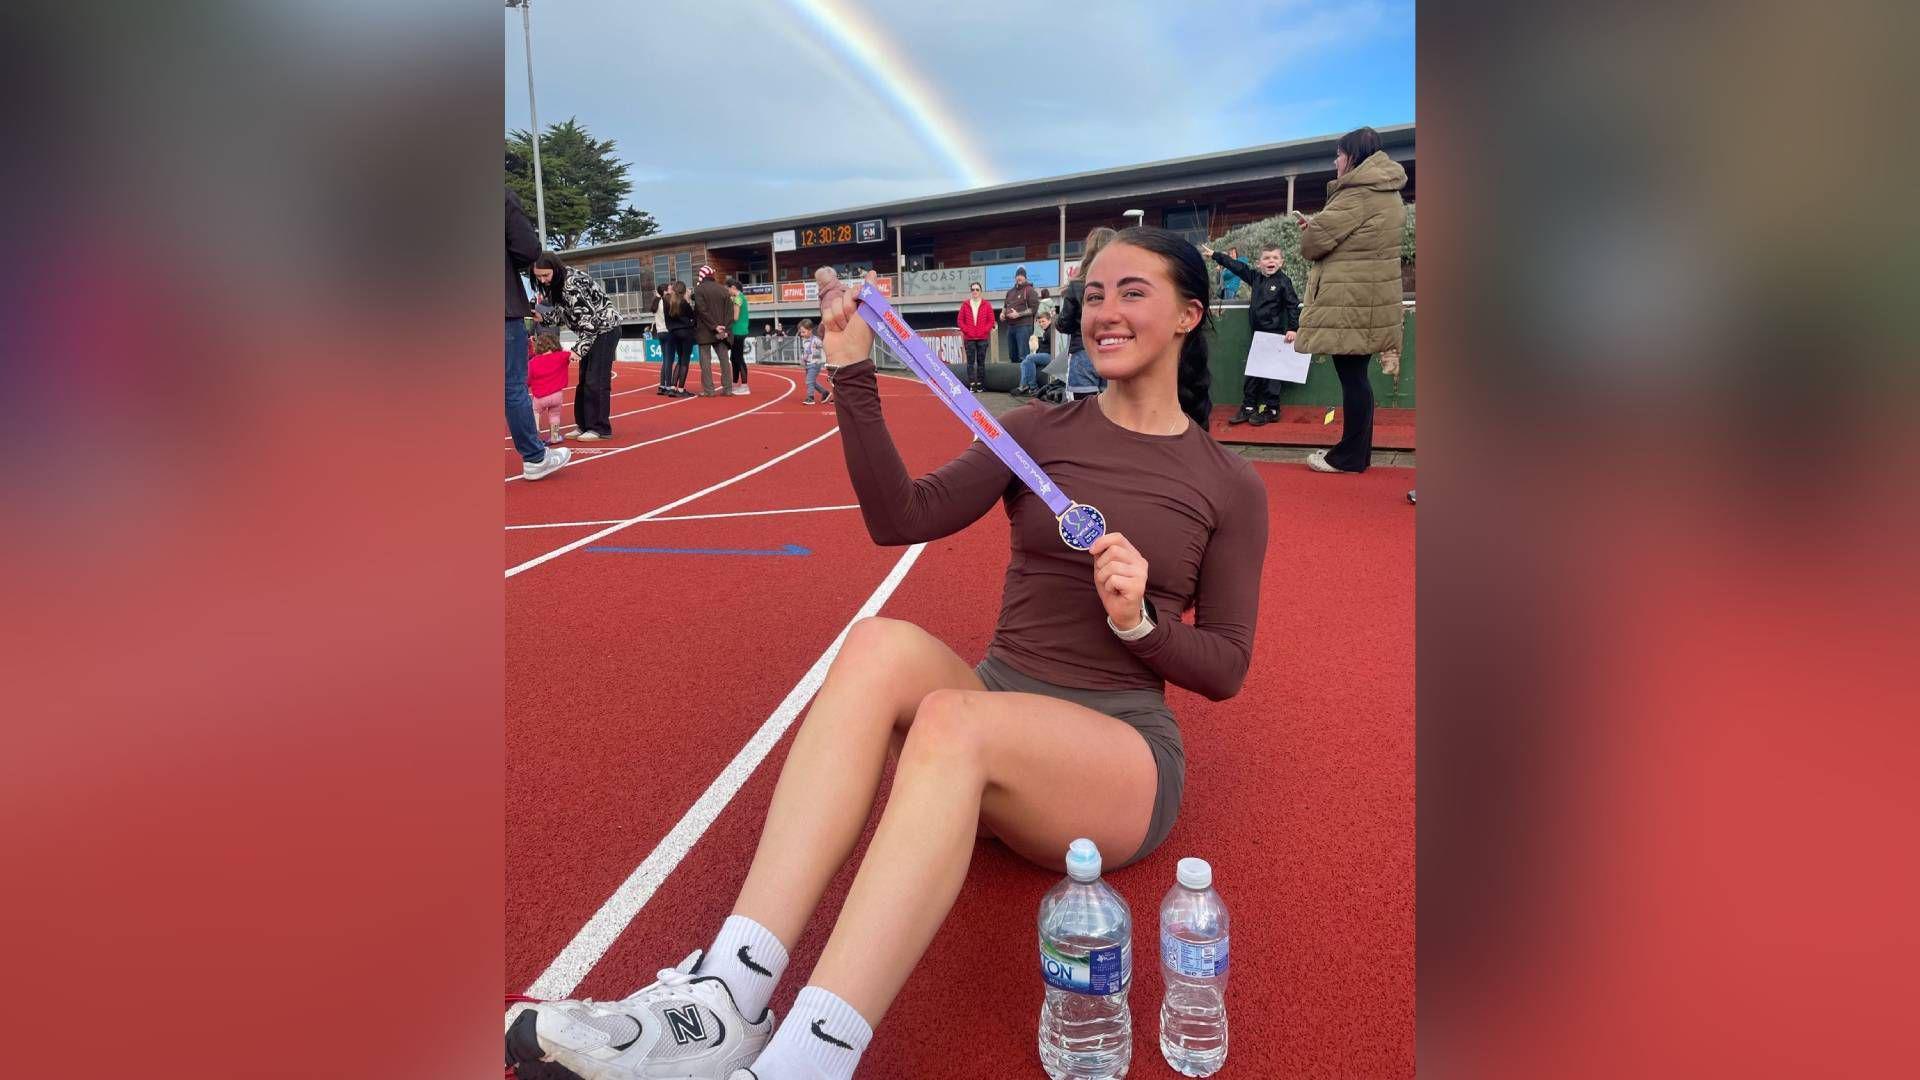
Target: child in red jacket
547,381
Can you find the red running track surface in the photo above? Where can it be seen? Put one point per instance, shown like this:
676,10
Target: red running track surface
632,680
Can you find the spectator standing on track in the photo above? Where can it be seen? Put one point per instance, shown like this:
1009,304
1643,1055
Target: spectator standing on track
1081,377
1047,305
547,381
523,247
1275,310
587,311
659,333
712,322
677,309
737,333
1353,291
976,328
1017,313
1084,645
812,359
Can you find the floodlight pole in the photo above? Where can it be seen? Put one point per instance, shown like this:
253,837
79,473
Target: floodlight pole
539,189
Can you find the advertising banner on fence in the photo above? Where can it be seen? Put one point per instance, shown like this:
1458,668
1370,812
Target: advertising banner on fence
1041,273
1044,274
945,343
807,292
952,280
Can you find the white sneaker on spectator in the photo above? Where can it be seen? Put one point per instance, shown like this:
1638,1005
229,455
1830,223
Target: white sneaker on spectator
556,457
740,388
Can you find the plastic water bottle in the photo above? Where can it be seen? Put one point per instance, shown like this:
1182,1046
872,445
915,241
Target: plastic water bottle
1086,957
1193,960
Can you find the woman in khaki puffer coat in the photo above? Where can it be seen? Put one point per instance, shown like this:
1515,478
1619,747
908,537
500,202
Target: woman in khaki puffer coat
1352,307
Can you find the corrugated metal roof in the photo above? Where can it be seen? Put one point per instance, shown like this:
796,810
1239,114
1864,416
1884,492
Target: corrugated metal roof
1398,138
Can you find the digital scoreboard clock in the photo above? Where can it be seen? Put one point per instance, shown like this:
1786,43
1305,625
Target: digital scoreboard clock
870,231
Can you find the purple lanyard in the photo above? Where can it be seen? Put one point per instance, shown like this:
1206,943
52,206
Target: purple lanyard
1080,524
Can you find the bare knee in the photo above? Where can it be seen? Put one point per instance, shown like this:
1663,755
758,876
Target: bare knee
947,730
873,679
875,645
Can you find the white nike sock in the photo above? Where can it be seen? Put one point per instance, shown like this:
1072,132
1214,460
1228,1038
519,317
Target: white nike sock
822,1038
750,959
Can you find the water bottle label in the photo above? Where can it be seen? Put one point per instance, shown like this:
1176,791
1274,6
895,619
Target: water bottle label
1194,961
1100,972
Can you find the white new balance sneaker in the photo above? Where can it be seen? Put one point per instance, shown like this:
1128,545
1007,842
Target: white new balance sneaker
684,1027
556,457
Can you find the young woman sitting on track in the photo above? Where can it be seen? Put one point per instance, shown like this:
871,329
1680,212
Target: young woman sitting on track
1072,686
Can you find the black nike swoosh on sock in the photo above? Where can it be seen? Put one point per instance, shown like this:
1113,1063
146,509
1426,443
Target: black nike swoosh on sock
818,1034
747,962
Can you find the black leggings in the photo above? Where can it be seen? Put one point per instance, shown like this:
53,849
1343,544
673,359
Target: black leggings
976,360
679,353
1354,451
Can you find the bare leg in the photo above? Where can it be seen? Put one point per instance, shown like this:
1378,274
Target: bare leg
973,757
827,785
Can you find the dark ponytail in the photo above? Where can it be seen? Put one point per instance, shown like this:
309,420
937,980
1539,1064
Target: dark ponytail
1196,376
1189,275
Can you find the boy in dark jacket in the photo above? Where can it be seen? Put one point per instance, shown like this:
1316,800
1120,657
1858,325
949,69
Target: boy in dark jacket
1275,310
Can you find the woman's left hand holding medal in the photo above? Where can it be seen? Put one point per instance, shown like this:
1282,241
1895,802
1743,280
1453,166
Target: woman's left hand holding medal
1120,577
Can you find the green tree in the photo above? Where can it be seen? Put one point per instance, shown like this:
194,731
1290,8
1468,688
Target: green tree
585,185
628,224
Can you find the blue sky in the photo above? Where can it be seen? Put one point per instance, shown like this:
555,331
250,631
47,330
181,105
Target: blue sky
738,110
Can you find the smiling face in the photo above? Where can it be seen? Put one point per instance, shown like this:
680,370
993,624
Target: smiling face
1270,261
973,292
1131,316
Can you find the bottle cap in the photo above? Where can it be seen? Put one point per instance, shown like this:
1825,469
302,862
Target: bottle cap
1083,860
1195,874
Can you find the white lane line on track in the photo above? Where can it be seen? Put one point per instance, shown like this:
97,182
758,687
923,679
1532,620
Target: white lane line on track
688,517
508,439
615,416
605,454
658,510
591,943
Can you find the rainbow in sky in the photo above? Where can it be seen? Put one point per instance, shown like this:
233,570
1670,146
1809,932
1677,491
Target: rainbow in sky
882,62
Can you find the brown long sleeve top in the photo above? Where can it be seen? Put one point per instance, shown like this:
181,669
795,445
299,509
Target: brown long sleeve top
1197,514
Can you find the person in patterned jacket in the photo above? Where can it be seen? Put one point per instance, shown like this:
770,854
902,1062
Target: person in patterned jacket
585,309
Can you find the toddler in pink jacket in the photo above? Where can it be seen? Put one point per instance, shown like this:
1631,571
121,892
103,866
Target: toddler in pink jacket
547,382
